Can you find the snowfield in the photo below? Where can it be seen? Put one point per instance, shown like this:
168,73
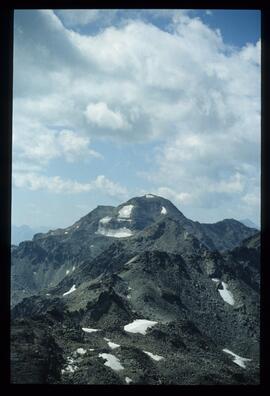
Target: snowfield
240,361
125,212
120,233
111,361
163,210
112,345
226,294
73,288
105,220
81,351
139,326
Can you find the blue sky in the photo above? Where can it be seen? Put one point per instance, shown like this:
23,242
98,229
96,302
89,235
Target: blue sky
113,104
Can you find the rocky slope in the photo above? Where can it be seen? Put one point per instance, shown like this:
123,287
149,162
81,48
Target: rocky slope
138,294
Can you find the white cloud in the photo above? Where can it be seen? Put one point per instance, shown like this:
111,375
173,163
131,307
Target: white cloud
73,18
35,181
181,198
33,141
184,89
102,116
74,146
252,199
252,53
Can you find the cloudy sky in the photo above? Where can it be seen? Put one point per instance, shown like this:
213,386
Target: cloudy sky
117,103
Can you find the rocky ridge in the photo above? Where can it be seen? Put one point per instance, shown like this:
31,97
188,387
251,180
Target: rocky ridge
142,261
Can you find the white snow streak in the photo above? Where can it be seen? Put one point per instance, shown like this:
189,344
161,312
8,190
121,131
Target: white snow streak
215,280
128,380
139,326
149,196
88,330
240,361
131,260
73,288
67,272
111,361
154,357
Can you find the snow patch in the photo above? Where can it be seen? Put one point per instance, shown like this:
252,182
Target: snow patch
81,351
120,233
88,330
91,349
125,212
112,345
139,326
34,273
73,268
128,380
149,196
131,260
67,272
111,361
70,367
154,357
226,294
105,220
73,288
48,294
240,361
186,234
215,280
163,210
66,232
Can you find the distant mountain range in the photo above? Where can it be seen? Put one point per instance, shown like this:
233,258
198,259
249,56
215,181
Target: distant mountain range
24,232
137,294
249,223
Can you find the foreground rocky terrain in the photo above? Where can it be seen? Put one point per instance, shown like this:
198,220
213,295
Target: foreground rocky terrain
137,294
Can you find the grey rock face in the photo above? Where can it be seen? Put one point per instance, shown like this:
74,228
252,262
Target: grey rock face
89,285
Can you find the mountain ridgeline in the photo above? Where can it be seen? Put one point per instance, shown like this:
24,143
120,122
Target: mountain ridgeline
137,294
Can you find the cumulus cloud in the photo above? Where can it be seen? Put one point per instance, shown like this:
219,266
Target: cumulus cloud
37,143
72,18
102,116
56,184
182,88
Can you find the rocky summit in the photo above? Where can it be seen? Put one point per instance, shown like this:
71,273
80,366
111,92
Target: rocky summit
137,294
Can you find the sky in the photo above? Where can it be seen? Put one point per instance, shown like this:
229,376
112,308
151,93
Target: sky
112,104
